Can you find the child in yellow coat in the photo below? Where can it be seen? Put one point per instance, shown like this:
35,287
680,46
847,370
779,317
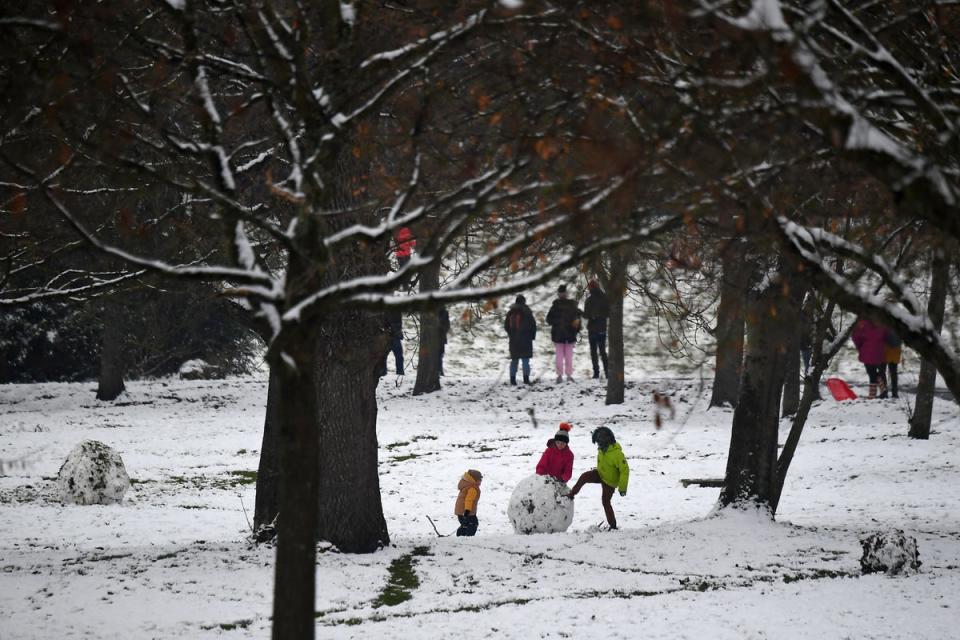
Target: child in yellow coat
467,499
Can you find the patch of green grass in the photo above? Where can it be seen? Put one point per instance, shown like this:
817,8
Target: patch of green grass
229,481
409,456
244,477
240,452
228,626
402,580
816,574
395,445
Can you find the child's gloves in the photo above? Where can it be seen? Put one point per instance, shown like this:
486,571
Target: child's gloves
623,493
466,513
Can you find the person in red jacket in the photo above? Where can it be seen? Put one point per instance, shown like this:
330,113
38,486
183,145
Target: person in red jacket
405,244
557,459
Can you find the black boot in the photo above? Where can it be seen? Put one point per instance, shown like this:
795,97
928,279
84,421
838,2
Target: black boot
513,382
526,379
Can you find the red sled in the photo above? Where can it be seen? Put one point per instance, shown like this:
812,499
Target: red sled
840,390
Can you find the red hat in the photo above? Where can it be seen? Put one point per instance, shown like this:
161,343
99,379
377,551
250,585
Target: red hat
592,284
564,432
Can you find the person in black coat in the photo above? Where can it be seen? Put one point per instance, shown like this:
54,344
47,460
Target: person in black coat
443,318
596,309
393,324
521,327
564,320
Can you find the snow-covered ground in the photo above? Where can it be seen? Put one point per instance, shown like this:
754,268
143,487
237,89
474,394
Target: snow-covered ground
174,560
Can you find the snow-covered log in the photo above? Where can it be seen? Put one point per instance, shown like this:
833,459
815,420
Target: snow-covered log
92,474
540,504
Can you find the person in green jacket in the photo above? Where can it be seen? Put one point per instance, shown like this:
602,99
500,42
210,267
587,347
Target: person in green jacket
611,473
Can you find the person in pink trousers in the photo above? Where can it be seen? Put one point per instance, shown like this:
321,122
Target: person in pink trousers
870,340
564,320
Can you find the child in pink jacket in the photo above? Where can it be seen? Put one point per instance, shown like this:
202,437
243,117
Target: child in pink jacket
870,340
557,459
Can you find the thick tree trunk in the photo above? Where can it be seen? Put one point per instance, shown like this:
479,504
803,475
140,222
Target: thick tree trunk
111,354
350,348
615,356
730,326
268,474
428,361
752,460
923,409
294,591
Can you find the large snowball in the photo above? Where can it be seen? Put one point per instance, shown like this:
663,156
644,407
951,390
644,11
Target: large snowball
92,474
891,552
539,505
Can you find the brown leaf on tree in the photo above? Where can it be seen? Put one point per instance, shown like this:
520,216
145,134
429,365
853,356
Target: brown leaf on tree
18,204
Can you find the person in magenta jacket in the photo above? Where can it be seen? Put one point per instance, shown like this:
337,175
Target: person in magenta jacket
870,340
557,459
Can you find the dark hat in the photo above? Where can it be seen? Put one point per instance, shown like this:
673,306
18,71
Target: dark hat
602,437
563,433
476,474
562,288
593,284
520,300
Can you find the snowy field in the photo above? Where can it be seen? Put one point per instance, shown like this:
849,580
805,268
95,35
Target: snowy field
174,560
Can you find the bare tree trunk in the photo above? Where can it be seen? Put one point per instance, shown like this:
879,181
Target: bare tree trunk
791,381
428,362
811,386
111,354
350,348
294,591
268,473
752,460
616,287
730,326
923,409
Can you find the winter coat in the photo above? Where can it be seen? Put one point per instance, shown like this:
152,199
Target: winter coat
596,310
612,467
556,462
405,243
468,497
522,329
394,323
869,339
564,320
892,348
444,319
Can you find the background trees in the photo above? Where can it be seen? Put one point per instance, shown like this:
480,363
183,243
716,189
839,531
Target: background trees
272,151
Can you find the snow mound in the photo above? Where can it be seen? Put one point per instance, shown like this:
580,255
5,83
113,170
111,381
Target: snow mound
539,505
891,552
198,370
92,474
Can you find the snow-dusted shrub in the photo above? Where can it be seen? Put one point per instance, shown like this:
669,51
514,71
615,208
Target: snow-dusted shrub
92,474
539,505
889,551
